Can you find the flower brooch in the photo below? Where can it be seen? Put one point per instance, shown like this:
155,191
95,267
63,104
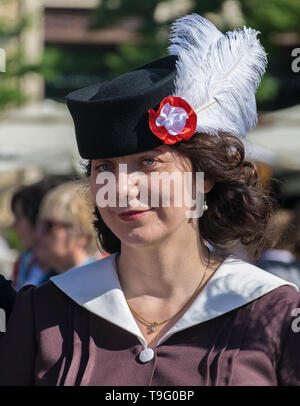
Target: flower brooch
174,121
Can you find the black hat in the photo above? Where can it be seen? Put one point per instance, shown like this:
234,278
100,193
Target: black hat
111,118
207,84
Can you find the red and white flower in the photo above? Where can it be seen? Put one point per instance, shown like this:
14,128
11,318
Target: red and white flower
174,121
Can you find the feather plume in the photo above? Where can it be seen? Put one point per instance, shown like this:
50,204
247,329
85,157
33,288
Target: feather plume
218,74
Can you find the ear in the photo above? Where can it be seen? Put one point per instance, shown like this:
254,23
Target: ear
208,185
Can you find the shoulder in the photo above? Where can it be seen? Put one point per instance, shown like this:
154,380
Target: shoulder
272,315
40,294
237,282
46,294
41,303
250,278
279,291
72,288
284,297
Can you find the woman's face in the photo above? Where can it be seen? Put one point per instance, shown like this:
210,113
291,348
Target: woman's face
140,220
56,244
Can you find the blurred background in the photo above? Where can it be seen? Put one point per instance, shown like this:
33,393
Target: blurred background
55,46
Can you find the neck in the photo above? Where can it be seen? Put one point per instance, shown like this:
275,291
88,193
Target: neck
170,269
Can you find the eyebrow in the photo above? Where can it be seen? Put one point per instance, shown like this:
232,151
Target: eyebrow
157,150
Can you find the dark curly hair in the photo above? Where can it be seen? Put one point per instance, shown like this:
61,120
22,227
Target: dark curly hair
239,208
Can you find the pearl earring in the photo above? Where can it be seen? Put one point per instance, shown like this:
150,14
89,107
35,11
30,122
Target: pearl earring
205,207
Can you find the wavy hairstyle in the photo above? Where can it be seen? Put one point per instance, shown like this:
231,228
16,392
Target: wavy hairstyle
239,208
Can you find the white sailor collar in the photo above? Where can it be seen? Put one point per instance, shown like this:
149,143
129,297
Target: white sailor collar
96,287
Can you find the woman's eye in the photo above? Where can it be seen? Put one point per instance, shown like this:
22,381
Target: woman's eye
104,167
149,162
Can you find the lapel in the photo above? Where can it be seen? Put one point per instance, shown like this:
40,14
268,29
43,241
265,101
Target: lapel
96,287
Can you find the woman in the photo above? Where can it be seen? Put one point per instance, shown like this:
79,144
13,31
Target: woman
66,237
163,309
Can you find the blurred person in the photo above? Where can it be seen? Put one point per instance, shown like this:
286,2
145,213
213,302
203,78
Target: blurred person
283,258
66,237
25,206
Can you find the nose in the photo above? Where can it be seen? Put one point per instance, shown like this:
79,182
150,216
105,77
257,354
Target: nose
127,188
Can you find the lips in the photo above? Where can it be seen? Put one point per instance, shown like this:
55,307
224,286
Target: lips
133,211
133,214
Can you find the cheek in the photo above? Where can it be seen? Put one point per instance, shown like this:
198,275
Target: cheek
56,243
171,217
173,195
102,197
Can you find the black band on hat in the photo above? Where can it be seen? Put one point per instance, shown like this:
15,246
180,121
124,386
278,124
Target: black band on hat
111,118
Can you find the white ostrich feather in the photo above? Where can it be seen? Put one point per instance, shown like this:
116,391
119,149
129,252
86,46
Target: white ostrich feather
218,74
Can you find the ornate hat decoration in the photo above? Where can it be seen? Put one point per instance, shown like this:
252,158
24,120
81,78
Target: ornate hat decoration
207,84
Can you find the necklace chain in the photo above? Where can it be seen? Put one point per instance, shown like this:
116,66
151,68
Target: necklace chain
155,324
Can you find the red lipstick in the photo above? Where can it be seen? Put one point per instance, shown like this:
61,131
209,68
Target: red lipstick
132,214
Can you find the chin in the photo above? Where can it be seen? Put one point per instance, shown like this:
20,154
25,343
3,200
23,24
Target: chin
141,236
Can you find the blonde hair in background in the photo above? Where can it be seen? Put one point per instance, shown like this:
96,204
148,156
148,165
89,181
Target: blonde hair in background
69,203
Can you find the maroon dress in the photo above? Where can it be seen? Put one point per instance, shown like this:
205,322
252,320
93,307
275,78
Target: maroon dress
242,329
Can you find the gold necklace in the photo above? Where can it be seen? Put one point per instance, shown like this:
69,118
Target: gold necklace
154,325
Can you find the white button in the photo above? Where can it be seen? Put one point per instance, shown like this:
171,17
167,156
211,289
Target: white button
146,355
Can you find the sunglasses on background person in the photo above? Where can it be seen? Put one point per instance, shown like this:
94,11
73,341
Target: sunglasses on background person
47,225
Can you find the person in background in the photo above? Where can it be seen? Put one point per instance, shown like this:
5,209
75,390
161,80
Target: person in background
25,206
66,237
296,225
283,259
